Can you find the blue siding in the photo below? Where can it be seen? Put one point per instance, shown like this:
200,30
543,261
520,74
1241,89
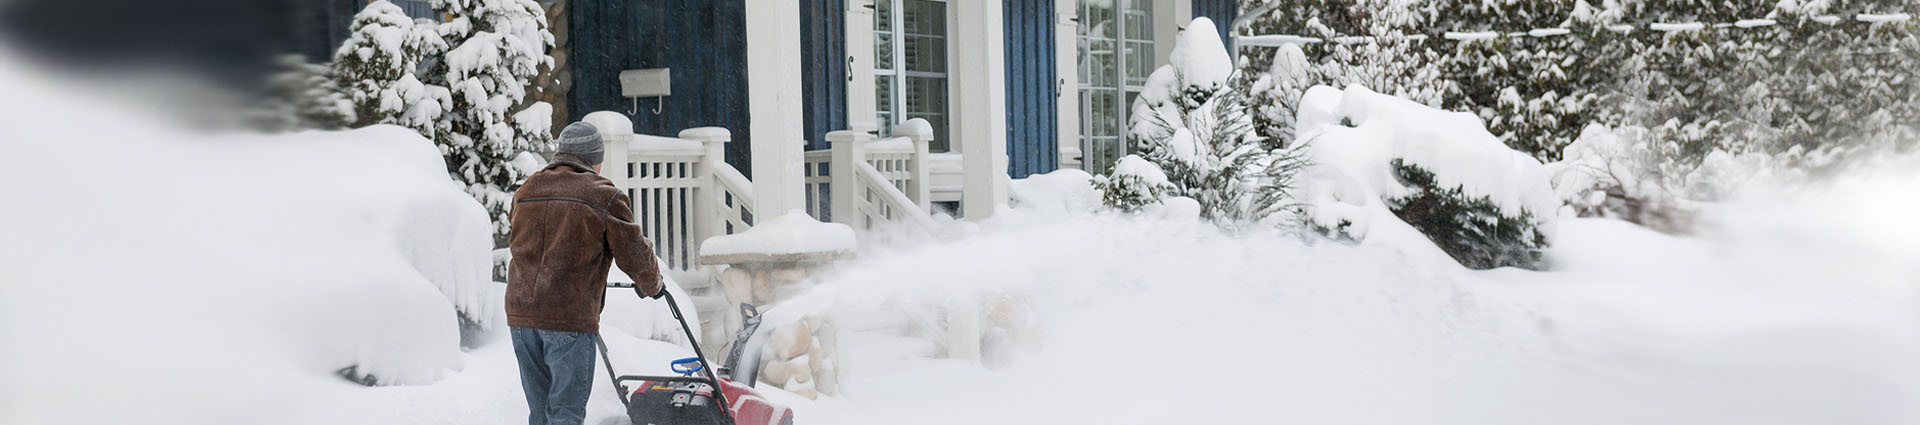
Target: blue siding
1222,12
702,41
823,40
1032,84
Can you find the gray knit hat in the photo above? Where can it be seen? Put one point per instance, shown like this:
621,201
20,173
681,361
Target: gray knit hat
582,140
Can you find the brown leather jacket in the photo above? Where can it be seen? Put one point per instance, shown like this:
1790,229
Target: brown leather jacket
569,226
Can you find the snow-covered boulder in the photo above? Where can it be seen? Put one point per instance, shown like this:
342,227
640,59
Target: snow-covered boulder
1441,172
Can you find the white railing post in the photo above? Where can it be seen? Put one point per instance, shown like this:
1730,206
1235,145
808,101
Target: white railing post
707,202
849,148
918,188
617,132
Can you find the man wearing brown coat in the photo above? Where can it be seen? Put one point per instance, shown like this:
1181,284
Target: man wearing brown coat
569,227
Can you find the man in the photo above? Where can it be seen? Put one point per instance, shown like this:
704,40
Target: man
569,226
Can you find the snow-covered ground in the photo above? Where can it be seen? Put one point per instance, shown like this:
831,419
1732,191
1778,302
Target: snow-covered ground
155,276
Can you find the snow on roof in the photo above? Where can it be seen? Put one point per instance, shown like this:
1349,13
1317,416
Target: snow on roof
790,233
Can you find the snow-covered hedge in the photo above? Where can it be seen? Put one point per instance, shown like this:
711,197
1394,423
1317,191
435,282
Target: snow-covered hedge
1441,172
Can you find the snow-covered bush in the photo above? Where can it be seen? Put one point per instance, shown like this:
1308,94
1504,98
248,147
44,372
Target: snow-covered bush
1635,174
1275,96
375,69
495,47
1375,157
1133,184
1192,123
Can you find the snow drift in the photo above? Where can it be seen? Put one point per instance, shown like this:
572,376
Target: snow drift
222,272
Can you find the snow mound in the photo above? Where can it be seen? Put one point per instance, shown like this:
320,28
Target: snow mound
1356,134
1200,55
1061,191
228,267
790,233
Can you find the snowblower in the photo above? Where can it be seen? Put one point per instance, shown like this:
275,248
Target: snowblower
698,396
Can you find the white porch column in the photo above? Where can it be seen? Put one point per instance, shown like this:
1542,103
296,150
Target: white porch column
860,107
1066,63
774,111
979,123
1169,16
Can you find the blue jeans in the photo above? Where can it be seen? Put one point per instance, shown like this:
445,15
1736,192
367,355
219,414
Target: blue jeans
556,372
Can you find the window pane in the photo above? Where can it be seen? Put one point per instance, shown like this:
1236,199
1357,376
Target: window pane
883,50
926,54
1100,16
925,17
883,93
1140,20
1100,63
883,15
927,99
1139,63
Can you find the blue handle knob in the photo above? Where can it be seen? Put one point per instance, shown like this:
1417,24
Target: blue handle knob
695,361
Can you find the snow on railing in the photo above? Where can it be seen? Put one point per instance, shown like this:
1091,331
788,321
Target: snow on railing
900,161
1276,40
683,190
862,195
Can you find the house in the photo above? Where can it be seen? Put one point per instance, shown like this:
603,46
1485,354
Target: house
1047,83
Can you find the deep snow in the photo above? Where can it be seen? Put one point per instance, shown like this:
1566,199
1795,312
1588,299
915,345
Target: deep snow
156,277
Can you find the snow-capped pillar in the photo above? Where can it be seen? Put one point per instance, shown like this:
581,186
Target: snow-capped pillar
775,110
860,90
921,134
1066,62
616,132
849,148
979,125
706,208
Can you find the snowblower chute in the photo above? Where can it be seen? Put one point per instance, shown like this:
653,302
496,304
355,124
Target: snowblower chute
697,396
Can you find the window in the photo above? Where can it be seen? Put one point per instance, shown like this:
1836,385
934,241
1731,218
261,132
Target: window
417,9
910,65
1116,56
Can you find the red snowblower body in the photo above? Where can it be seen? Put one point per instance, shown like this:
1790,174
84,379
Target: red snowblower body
690,399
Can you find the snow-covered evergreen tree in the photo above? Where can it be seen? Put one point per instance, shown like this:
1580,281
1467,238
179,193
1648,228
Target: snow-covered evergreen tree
1534,91
495,47
1275,95
375,69
1196,126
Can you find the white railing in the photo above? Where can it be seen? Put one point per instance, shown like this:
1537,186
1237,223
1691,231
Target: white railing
900,161
683,190
874,188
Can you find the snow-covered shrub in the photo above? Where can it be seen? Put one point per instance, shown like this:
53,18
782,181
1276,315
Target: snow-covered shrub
1275,96
375,69
1192,123
1133,184
495,47
1374,157
1470,228
1638,175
